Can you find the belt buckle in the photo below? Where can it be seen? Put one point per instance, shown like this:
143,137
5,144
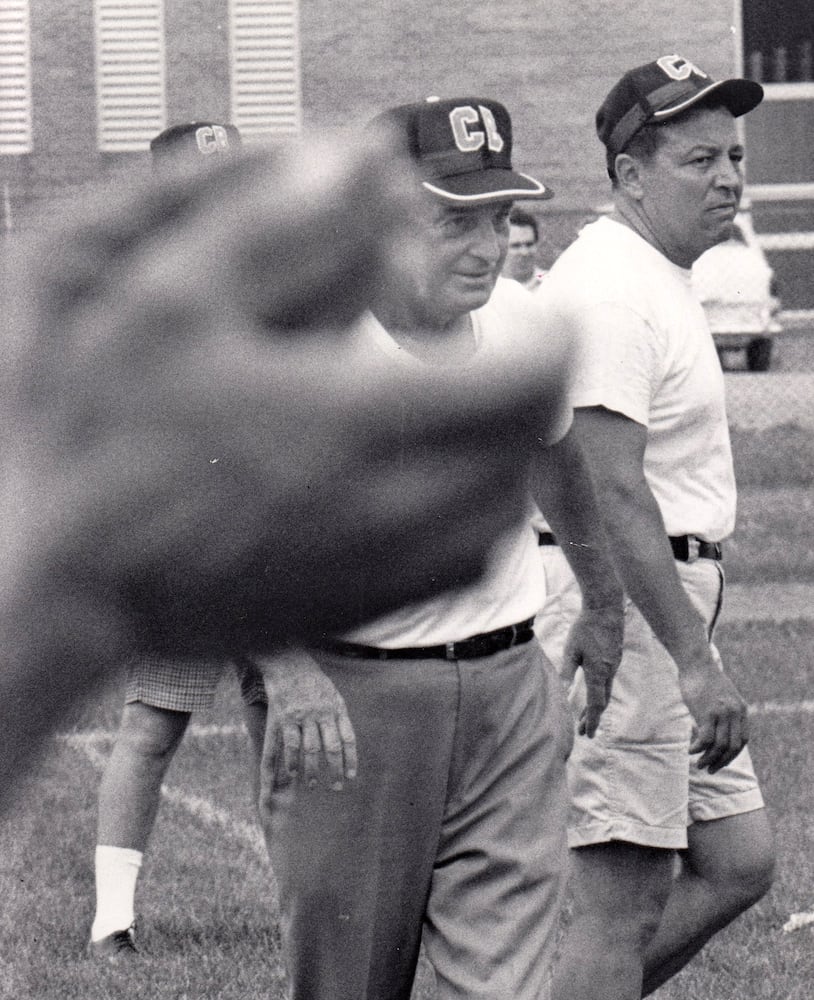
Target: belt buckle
449,653
693,548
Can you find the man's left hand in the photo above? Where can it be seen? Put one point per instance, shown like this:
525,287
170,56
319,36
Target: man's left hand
595,644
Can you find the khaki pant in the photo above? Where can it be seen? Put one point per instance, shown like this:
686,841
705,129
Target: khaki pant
454,830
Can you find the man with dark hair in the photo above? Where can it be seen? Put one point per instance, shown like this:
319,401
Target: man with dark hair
667,776
455,825
521,258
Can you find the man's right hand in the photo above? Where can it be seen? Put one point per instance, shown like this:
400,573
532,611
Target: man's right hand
720,715
307,726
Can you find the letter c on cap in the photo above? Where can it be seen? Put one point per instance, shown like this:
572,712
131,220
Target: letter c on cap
469,140
678,68
211,139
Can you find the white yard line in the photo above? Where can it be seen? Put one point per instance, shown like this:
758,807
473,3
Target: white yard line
798,920
209,815
782,708
201,809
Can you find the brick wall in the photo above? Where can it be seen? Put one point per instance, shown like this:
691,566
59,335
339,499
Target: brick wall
550,61
197,41
66,156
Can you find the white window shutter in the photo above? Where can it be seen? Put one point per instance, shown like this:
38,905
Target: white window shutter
264,36
130,82
15,78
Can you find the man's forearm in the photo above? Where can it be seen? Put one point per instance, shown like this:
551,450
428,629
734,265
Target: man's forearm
645,565
565,493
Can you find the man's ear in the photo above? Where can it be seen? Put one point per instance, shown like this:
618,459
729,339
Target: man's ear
628,175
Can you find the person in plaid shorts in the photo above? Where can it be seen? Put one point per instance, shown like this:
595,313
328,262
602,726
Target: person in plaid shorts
161,694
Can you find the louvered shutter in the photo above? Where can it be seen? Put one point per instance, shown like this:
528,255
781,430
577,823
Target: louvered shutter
265,66
15,78
130,83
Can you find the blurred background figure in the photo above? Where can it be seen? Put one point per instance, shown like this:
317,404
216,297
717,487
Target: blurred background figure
524,240
161,694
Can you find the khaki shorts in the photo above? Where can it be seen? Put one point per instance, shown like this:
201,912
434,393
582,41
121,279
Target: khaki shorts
635,780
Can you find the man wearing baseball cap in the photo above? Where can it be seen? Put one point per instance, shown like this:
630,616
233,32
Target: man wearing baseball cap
161,694
668,770
454,827
193,144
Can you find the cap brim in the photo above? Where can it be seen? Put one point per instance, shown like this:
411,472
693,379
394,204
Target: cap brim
480,186
739,96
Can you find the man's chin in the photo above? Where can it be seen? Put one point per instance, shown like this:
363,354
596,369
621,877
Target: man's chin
477,290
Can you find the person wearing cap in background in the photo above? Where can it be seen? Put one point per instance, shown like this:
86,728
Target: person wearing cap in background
123,388
668,770
461,725
521,259
161,694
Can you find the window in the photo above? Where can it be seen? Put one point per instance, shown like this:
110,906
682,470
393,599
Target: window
778,40
130,82
15,78
265,66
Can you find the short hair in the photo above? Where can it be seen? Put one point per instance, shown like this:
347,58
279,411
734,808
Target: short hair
519,217
644,144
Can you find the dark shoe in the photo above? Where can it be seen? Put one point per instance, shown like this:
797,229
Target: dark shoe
118,945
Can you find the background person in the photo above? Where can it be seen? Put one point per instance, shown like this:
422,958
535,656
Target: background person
524,242
126,529
667,771
161,693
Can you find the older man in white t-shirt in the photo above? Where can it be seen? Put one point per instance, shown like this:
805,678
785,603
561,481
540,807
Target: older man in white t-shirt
668,770
453,832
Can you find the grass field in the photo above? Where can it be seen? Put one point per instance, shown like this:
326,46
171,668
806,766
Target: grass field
206,897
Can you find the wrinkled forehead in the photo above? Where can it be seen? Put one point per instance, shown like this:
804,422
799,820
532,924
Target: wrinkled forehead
713,126
440,210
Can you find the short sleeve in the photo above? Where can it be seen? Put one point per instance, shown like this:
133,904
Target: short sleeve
619,362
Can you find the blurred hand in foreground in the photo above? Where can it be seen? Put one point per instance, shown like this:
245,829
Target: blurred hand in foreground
196,457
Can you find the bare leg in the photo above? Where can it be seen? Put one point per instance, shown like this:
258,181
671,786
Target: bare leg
255,716
727,867
130,789
620,891
129,794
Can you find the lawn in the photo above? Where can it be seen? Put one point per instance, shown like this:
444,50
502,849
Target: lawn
774,535
206,897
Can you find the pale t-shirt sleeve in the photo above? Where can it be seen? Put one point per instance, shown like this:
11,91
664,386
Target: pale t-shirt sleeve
556,346
619,361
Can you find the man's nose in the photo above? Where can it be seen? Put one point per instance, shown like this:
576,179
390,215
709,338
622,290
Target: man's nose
729,174
489,241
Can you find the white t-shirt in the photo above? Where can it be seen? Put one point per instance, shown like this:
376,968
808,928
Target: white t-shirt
647,353
512,588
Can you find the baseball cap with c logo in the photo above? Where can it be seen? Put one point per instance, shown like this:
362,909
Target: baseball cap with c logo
463,149
660,90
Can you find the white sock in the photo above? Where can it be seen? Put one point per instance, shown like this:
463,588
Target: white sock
117,871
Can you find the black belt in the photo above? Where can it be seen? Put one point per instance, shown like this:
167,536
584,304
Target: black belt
484,644
686,548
